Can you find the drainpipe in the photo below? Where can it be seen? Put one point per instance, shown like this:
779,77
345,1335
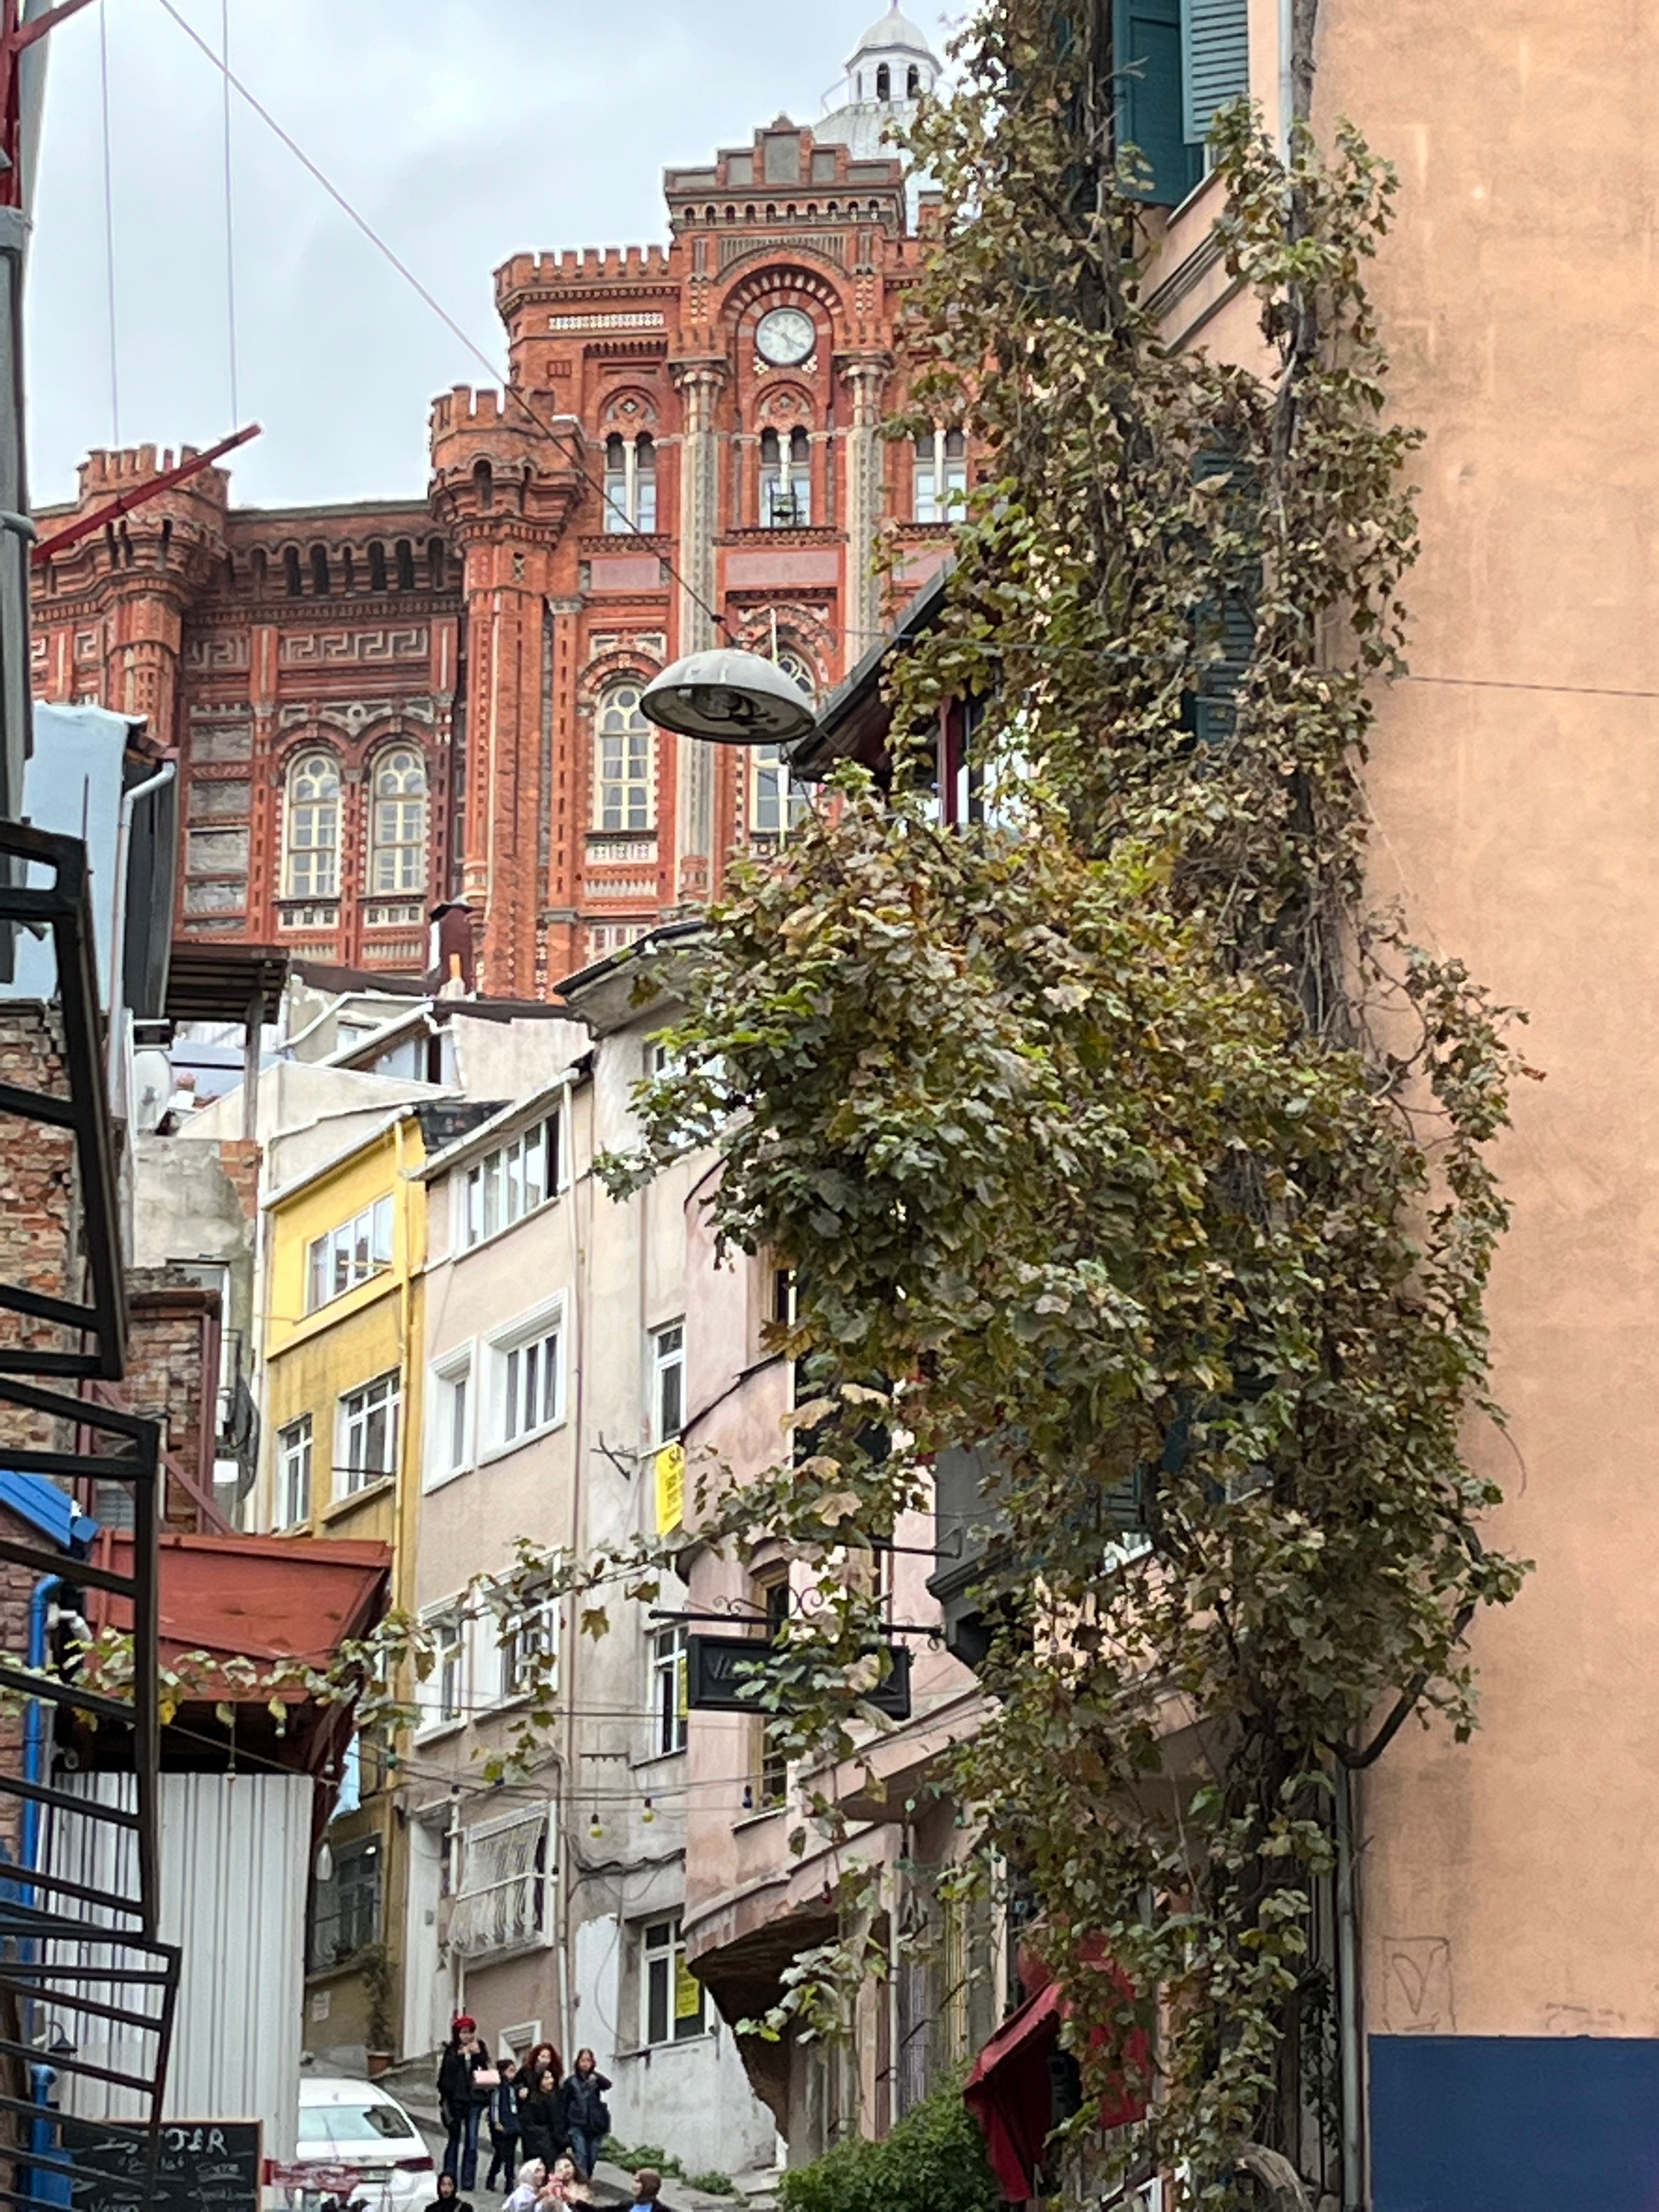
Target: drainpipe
163,776
41,2078
1347,1976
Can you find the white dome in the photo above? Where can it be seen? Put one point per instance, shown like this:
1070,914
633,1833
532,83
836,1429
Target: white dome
895,34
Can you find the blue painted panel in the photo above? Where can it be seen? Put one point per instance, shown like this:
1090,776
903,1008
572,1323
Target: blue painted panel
1515,2123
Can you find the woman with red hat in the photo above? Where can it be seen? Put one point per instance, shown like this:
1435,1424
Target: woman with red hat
466,2075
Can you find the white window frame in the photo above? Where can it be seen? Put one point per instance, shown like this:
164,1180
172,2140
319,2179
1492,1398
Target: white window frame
492,1194
451,1443
662,1946
539,1623
310,868
670,1683
358,1250
294,1461
506,1372
477,1905
630,492
444,1705
666,1359
350,1480
944,474
398,859
629,794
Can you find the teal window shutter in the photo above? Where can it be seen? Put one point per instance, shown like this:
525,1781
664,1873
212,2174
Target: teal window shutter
1146,77
1215,61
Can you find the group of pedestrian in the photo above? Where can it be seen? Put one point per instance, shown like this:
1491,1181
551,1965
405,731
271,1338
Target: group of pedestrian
546,2128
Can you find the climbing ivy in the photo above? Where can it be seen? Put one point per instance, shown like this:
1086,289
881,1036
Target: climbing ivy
1117,1131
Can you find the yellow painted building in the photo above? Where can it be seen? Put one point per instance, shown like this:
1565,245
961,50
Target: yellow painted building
340,1457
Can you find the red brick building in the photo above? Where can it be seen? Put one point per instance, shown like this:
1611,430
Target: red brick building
379,707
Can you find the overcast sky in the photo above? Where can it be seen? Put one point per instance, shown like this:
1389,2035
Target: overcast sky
465,130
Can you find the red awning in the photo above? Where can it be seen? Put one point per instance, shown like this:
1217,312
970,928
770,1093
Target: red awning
269,1599
1010,2091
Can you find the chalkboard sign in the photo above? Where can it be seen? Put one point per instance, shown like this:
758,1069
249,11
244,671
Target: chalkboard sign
201,2166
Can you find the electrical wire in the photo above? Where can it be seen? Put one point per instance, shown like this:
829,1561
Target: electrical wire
230,226
109,228
564,438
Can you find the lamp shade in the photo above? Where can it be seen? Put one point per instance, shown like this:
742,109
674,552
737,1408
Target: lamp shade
730,697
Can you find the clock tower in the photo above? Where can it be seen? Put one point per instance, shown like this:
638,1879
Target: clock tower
378,708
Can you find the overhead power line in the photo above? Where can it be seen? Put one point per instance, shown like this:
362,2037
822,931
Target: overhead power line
457,330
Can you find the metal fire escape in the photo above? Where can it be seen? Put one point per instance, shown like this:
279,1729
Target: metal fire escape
87,1988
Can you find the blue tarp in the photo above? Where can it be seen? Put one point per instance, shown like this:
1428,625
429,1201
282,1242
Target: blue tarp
46,1508
1515,2123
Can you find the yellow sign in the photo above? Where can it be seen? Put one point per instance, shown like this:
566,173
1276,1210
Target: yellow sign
670,1489
688,1993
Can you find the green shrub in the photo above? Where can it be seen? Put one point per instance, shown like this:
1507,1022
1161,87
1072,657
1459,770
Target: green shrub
713,2183
933,2161
661,2162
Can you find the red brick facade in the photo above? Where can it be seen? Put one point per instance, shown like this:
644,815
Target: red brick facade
481,640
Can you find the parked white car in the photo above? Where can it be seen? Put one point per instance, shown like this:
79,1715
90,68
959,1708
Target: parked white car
357,2125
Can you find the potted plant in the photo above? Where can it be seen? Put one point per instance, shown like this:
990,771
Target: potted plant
374,1967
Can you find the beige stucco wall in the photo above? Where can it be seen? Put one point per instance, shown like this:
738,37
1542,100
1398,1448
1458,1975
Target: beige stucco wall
1508,1885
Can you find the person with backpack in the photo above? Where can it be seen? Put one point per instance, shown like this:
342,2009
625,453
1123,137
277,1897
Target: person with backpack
585,2115
503,2114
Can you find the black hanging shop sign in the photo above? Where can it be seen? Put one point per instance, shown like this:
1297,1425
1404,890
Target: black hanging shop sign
718,1667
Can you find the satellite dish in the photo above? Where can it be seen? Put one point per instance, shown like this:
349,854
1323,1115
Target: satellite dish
730,697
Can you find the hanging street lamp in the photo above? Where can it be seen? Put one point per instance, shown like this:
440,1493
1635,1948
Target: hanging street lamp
731,698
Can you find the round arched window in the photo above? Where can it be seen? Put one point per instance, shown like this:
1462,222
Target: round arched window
311,828
624,793
400,821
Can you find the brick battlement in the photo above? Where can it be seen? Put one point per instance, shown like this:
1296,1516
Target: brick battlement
464,409
105,471
613,264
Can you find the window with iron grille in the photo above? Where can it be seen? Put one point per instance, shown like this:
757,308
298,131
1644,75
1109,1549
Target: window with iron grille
345,1909
501,1901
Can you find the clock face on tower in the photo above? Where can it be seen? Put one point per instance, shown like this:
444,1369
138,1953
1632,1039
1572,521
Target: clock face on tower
786,338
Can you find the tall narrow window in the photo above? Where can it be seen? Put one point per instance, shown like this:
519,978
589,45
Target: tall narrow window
785,480
616,516
778,800
941,478
913,83
623,749
671,1690
630,485
294,1474
668,1383
313,827
883,82
674,2002
400,821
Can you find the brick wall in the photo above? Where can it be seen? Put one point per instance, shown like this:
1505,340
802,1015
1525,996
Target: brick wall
172,1375
39,1197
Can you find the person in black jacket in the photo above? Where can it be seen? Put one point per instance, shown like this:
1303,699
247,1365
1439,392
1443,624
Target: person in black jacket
541,2122
448,2198
585,2115
503,2112
460,2100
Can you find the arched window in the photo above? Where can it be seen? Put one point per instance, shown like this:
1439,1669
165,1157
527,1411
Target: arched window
913,83
399,834
291,571
624,795
785,481
630,485
941,477
437,564
320,586
405,565
483,486
376,565
311,829
883,82
348,570
776,800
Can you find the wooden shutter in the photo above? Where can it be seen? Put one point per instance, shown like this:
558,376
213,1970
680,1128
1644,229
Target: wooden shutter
1215,61
1146,80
